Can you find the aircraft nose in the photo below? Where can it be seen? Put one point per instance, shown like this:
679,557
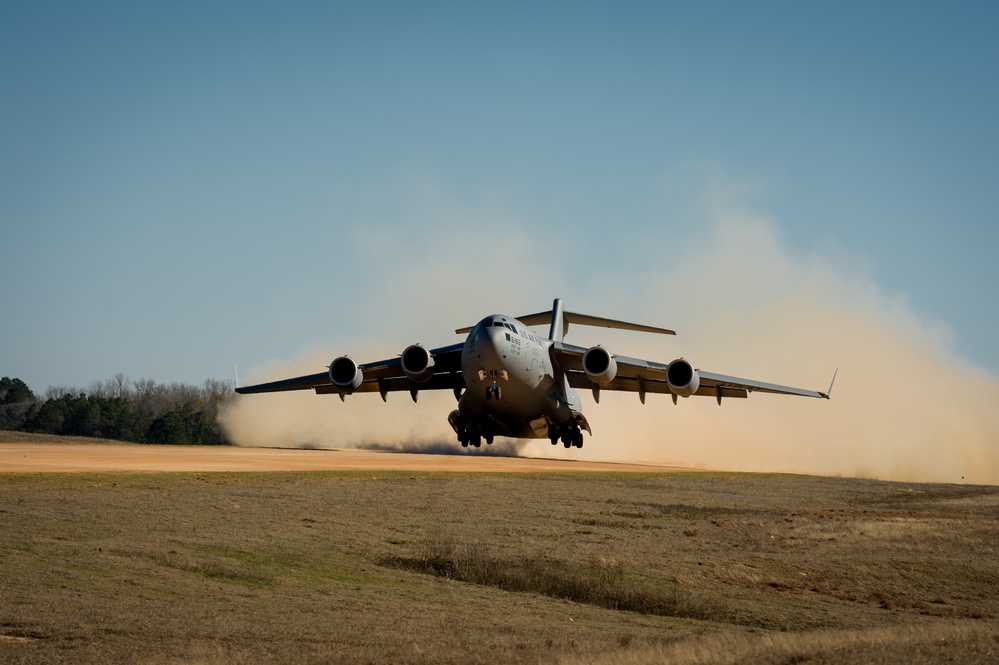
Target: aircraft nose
489,344
489,338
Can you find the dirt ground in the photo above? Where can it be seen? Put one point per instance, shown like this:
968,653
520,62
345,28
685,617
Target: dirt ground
64,458
128,564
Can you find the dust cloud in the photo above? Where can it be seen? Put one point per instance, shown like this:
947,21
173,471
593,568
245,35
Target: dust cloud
904,406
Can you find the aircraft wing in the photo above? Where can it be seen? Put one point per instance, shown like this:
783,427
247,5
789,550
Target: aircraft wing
381,376
647,376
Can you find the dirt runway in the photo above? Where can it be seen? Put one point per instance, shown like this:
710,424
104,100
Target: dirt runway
64,458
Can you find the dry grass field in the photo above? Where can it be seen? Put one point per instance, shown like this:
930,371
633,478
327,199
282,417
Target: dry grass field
402,566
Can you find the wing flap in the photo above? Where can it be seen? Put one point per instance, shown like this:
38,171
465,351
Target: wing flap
653,377
297,383
447,362
710,381
630,384
439,381
570,358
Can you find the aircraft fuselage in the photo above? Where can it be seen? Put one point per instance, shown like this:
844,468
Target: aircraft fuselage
513,386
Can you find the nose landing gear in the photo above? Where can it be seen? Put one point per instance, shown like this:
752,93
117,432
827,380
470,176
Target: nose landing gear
493,391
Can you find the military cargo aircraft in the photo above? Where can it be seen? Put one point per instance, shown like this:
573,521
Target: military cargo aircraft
510,381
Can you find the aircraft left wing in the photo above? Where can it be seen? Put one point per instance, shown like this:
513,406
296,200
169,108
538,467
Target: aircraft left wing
647,376
441,371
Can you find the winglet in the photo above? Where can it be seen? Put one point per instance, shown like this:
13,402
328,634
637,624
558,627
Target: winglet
235,369
828,393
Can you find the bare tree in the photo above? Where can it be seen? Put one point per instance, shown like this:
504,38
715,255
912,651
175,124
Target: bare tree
55,392
119,386
143,388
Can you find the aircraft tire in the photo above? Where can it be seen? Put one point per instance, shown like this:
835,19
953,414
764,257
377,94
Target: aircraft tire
476,441
489,439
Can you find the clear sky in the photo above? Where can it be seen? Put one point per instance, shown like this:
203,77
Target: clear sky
188,185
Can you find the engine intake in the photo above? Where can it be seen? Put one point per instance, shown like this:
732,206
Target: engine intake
417,363
682,378
599,365
345,375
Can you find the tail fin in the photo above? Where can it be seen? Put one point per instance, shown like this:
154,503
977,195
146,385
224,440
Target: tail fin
559,325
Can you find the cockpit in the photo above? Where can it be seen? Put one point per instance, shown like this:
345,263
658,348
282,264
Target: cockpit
494,323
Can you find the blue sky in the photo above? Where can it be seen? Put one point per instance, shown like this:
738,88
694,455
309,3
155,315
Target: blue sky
186,185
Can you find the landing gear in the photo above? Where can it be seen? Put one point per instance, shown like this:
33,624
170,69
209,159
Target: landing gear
493,391
472,436
570,434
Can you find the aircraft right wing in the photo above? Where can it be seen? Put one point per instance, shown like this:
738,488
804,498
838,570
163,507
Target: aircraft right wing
647,376
442,372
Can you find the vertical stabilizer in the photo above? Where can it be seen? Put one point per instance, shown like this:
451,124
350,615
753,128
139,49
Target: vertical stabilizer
557,331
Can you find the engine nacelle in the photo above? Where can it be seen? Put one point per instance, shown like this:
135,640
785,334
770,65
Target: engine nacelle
345,375
682,378
417,363
599,365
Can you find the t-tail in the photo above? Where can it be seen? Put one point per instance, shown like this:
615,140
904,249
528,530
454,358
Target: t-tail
558,329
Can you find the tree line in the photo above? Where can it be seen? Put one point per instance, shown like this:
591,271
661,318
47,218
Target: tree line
140,411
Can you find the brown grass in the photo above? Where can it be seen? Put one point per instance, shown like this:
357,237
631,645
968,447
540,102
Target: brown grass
595,582
437,567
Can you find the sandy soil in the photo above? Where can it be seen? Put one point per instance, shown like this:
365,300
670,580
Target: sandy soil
54,457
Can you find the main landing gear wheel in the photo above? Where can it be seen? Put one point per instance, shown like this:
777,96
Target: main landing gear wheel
471,435
571,437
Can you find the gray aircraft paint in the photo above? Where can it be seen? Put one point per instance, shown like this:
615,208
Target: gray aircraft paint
511,382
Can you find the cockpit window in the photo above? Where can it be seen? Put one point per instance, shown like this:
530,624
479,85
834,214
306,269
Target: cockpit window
510,326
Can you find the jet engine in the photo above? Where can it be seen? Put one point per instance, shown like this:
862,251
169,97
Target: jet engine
682,378
599,365
345,375
417,363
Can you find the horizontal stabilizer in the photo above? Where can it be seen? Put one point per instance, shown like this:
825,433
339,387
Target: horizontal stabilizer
545,318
